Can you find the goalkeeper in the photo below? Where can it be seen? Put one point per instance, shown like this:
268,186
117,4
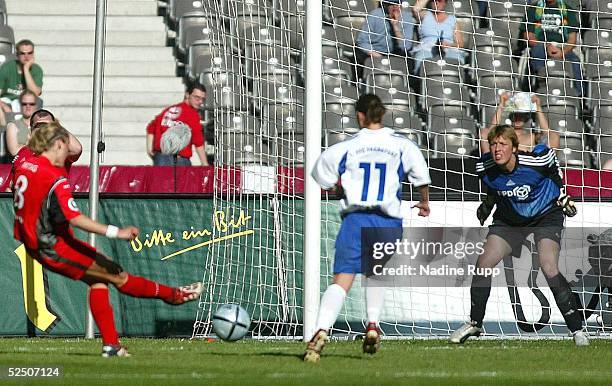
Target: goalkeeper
530,198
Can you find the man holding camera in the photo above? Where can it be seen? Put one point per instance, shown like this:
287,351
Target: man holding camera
520,117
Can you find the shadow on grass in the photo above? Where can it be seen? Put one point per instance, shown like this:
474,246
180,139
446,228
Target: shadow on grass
286,355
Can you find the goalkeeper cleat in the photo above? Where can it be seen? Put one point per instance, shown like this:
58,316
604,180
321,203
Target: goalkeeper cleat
464,332
371,341
186,293
113,350
581,338
315,346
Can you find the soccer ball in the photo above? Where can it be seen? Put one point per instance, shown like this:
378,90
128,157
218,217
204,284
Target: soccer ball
231,322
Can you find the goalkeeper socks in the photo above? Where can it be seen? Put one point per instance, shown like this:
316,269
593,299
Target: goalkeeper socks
139,287
331,304
479,292
375,298
566,301
102,312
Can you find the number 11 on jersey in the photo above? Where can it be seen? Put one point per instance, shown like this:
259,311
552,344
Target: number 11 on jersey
382,168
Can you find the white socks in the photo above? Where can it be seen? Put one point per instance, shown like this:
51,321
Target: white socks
375,298
331,304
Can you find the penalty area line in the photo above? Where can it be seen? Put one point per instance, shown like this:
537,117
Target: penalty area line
205,243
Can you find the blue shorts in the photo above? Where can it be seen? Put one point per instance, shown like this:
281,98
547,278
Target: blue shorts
348,241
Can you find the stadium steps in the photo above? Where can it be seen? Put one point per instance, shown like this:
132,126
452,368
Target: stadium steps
140,70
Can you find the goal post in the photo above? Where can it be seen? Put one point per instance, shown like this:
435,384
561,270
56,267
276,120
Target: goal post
312,192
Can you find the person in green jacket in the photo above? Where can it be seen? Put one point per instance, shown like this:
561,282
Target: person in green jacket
19,75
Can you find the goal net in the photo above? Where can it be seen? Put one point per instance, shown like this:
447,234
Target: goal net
441,92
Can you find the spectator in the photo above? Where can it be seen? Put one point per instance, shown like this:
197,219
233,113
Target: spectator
18,131
186,112
387,30
19,75
439,32
551,34
527,137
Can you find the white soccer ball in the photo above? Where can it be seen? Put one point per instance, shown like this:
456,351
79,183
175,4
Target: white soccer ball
231,322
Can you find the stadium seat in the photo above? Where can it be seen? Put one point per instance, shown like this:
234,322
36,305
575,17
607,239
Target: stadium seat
604,148
347,28
598,63
597,38
280,118
225,90
339,122
245,38
340,8
391,92
332,137
206,58
386,63
443,69
601,93
454,123
602,120
492,40
489,64
446,112
294,26
264,59
453,144
572,151
334,62
290,7
401,117
288,148
415,136
563,123
195,27
239,148
178,8
505,10
436,93
338,88
231,121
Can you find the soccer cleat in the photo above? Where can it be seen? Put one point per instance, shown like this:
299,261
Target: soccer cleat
464,332
186,293
112,350
315,346
581,338
371,340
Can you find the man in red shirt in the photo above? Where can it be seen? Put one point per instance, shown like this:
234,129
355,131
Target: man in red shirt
186,112
44,213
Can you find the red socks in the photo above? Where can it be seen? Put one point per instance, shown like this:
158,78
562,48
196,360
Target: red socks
102,312
140,287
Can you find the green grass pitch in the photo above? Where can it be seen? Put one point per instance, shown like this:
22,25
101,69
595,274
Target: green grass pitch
423,362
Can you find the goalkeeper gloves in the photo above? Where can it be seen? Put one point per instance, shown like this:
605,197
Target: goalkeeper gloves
484,210
566,203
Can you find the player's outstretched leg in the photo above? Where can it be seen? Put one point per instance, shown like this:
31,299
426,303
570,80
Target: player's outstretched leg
140,287
315,346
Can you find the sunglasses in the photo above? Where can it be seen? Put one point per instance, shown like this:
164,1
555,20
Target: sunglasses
25,53
28,104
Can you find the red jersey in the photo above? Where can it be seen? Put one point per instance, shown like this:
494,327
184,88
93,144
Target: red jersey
43,203
181,112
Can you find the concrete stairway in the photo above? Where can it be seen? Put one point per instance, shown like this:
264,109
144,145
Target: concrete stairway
139,70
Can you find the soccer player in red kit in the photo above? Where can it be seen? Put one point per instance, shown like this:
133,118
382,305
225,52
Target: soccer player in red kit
44,213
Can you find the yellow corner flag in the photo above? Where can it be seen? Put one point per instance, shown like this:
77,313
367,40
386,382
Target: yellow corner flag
34,292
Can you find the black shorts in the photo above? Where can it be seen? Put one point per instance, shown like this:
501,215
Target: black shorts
548,226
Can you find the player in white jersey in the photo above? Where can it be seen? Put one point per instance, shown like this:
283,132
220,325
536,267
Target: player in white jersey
370,168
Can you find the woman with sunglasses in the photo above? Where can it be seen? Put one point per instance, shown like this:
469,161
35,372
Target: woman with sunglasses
18,131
